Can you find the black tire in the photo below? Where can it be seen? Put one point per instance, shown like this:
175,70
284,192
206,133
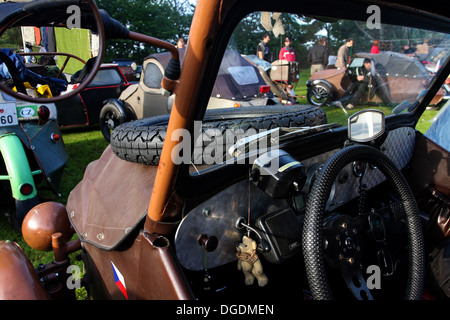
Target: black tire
141,141
111,116
319,94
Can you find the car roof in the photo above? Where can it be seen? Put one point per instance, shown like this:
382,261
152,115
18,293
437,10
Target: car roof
396,64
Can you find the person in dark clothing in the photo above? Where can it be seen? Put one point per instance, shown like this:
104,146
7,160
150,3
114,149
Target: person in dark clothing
262,51
368,85
318,56
82,74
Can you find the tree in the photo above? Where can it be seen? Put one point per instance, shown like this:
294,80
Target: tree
163,19
301,30
12,38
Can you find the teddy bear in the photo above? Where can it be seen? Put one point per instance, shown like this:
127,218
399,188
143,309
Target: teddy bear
249,263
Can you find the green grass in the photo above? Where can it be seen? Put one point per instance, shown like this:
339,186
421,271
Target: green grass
83,146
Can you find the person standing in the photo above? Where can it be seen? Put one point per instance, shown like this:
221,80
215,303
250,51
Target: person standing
318,56
180,43
287,52
344,54
262,51
375,49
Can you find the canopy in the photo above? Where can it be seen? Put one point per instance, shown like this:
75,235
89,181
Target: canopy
237,78
394,64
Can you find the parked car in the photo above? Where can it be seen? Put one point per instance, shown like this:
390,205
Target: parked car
239,85
402,78
129,68
347,211
84,108
31,151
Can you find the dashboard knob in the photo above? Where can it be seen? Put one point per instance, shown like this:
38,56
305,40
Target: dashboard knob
210,243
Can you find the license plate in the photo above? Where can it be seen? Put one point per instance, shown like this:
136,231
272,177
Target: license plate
8,114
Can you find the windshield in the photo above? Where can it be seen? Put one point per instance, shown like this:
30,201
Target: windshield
318,73
342,66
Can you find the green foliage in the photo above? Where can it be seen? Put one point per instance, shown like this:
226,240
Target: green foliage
12,38
163,19
301,30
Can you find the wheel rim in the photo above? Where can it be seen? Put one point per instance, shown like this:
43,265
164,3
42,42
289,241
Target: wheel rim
318,95
109,122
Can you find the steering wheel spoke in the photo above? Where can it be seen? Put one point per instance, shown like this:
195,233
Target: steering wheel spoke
356,283
344,239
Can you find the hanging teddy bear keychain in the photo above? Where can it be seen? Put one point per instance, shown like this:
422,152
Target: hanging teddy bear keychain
249,262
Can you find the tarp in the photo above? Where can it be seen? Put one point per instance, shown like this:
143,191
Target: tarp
394,64
439,131
237,78
75,41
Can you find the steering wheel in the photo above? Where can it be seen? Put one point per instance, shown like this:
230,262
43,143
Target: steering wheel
348,230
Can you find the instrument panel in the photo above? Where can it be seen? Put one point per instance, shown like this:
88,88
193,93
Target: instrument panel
272,218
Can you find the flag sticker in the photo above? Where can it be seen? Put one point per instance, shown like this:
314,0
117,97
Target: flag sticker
120,281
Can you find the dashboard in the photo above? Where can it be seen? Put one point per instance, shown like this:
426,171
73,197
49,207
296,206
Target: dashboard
208,234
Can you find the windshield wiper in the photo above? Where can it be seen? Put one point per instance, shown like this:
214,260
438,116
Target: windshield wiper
294,132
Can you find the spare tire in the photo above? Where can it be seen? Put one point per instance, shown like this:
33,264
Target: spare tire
141,141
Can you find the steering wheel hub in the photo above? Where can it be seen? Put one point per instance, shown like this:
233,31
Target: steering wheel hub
343,242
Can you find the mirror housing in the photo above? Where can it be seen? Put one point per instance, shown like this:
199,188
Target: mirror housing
366,126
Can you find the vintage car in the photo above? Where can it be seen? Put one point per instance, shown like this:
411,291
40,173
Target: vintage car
85,108
401,78
346,211
239,85
129,68
31,151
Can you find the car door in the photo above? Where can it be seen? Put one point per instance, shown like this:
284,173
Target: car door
108,83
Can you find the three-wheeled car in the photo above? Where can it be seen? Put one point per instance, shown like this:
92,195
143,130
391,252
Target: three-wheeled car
239,85
401,78
341,210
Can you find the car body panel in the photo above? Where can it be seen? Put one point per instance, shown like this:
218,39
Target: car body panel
149,100
84,108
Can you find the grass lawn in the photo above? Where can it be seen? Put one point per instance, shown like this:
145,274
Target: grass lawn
85,145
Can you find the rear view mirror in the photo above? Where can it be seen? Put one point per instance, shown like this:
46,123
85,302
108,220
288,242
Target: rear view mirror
366,126
49,50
